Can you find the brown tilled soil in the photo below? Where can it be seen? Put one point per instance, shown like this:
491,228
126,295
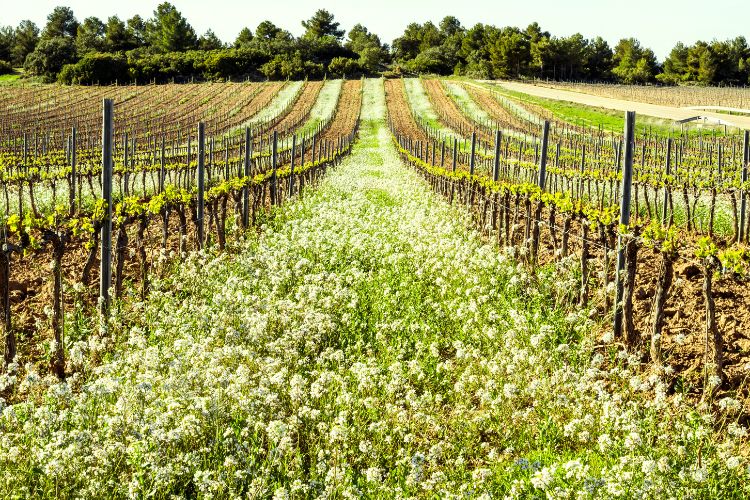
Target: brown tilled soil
683,337
343,121
445,105
484,98
398,110
32,280
347,111
493,107
301,109
259,101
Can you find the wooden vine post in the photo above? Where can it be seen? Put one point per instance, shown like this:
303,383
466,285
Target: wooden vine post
5,320
20,185
583,169
187,161
302,165
472,164
665,208
273,167
496,167
105,274
291,174
201,183
743,191
73,175
543,158
246,186
162,164
717,180
126,175
542,181
627,179
453,167
162,184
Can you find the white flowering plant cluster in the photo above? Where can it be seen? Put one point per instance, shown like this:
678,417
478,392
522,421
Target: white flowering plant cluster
367,345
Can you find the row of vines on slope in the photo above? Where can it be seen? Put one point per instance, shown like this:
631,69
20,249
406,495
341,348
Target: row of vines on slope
684,296
55,209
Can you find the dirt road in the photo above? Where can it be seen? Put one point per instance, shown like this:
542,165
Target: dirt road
667,112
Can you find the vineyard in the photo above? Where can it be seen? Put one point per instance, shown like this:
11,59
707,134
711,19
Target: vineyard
729,97
180,172
379,288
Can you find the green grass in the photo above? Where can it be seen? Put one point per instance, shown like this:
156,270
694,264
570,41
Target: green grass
466,103
420,103
10,78
324,106
279,102
730,113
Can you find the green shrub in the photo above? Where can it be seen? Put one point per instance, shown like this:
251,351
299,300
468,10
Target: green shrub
285,67
233,63
49,57
344,66
432,60
96,68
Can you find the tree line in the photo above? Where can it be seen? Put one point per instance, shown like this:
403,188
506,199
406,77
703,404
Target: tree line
166,47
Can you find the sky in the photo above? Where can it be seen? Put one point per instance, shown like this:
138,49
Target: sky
658,24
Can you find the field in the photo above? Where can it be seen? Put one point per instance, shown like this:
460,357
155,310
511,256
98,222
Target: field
369,288
734,97
666,108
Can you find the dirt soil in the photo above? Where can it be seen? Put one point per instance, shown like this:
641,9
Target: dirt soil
347,111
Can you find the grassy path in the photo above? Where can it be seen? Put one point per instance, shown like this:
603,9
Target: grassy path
367,344
324,106
420,103
277,104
